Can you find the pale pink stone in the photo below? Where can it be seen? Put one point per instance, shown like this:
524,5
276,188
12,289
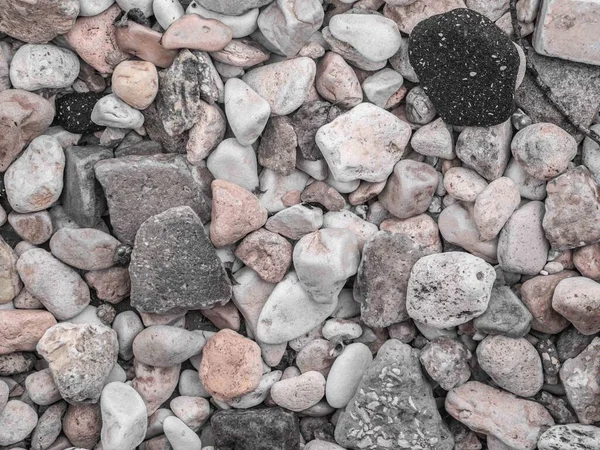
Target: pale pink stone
494,206
578,300
337,83
267,253
197,33
223,316
136,83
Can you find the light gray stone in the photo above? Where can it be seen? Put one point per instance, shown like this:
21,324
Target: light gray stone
247,112
231,161
111,111
124,419
346,373
43,66
166,346
17,421
84,248
241,25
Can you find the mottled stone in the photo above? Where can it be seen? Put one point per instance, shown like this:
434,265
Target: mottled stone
43,66
49,426
577,299
155,384
570,437
505,315
17,421
268,253
206,134
20,330
144,43
111,285
241,53
277,149
296,221
337,83
82,425
446,361
196,33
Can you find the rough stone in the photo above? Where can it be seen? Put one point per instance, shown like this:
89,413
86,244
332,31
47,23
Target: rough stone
20,330
576,299
49,426
407,14
337,83
194,32
165,346
570,437
277,149
296,221
446,361
40,66
494,206
74,112
464,184
143,42
136,83
10,283
206,134
268,253
82,425
307,121
505,315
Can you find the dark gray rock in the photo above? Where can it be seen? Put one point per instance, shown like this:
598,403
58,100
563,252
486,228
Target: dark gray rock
316,428
383,275
306,122
393,387
557,407
277,149
194,277
140,149
576,86
446,361
257,429
506,315
82,196
549,356
156,130
571,343
570,437
139,187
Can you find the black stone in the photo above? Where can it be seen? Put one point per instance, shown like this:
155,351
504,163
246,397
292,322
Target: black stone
467,66
74,112
256,429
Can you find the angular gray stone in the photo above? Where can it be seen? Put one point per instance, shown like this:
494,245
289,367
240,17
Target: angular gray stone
570,437
382,277
393,387
446,360
306,122
505,315
48,427
138,187
194,277
82,196
277,149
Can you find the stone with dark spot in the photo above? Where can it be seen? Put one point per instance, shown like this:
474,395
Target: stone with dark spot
570,437
74,112
256,429
479,65
393,387
306,122
194,276
277,150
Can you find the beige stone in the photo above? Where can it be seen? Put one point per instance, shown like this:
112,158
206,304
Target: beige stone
423,229
112,285
587,261
136,83
241,53
20,330
10,283
464,184
197,33
144,43
494,206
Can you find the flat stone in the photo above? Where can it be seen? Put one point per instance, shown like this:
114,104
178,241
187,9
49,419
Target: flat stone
580,378
446,361
363,143
268,253
17,421
537,295
111,111
572,209
241,25
196,33
39,22
485,149
483,83
513,364
407,14
572,436
277,149
379,396
514,421
40,271
522,246
82,425
22,329
257,429
505,315
383,275
231,365
241,53
35,180
337,82
247,111
576,300
494,206
144,42
10,283
168,181
296,221
285,85
80,357
124,419
232,7
299,393
236,163
40,66
435,279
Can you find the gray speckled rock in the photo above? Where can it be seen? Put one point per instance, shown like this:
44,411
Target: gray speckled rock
194,278
446,361
42,66
17,421
506,315
80,357
167,180
570,437
448,289
84,248
48,427
393,387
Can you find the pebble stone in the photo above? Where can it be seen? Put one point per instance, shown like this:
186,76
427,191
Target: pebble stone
74,112
166,346
35,228
155,385
234,163
84,248
93,7
268,253
17,421
299,393
295,221
336,82
464,184
21,330
124,419
346,373
110,111
194,32
136,83
434,139
41,388
41,66
166,12
494,206
82,424
241,25
180,436
575,299
505,315
569,437
446,361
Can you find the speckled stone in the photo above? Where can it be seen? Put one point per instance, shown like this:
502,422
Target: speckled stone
74,112
480,66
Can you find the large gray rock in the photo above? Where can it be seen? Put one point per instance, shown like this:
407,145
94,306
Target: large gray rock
82,196
383,275
80,357
393,387
138,187
506,315
194,277
570,437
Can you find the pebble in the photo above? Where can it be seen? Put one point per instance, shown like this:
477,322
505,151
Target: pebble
589,157
417,423
494,206
127,325
446,361
459,276
472,101
166,346
362,229
247,112
284,85
296,221
111,285
587,259
379,87
336,81
318,444
42,66
434,139
166,12
346,374
84,248
317,355
324,260
144,42
299,393
94,40
537,294
336,330
544,150
289,25
579,376
268,253
74,112
557,407
275,187
307,121
513,364
464,184
41,273
22,329
111,111
231,365
505,315
93,7
290,312
82,425
419,109
576,299
10,283
241,25
522,246
17,421
422,229
514,421
241,53
572,194
258,395
410,189
407,13
570,437
35,180
16,363
35,227
49,426
529,187
180,436
155,385
196,33
136,83
321,193
277,150
228,224
234,163
124,419
41,388
206,134
232,7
